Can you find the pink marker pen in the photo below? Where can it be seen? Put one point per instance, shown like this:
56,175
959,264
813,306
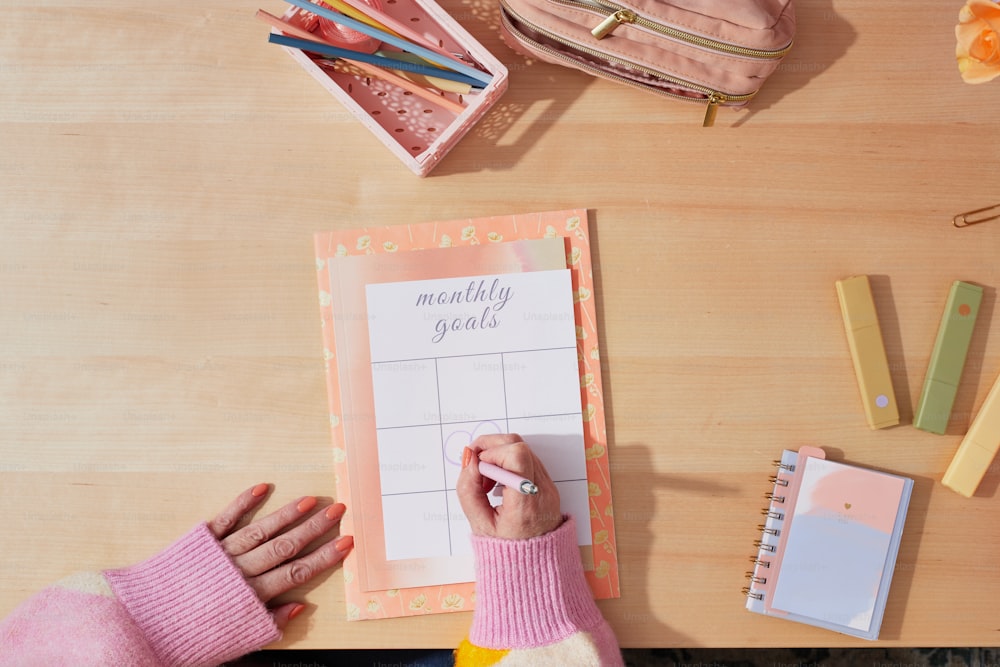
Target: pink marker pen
507,478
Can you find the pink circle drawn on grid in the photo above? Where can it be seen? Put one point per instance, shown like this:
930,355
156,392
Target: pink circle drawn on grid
457,441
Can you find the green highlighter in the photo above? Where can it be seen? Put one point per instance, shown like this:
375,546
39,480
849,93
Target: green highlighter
948,357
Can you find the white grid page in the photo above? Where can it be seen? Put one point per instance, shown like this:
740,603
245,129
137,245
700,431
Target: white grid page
505,361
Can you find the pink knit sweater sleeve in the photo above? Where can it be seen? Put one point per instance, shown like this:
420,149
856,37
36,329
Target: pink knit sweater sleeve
188,605
532,600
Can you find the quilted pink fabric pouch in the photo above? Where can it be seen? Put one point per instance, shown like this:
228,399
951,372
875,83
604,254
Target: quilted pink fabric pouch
716,52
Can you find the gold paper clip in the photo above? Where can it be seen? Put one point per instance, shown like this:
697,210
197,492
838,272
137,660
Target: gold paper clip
965,219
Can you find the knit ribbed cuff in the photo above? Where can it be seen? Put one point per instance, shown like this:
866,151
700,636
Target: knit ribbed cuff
193,604
531,592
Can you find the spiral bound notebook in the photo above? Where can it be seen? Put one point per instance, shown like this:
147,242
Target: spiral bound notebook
828,547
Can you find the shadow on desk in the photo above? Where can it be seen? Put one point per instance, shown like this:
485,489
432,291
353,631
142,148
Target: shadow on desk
635,511
517,122
538,95
822,37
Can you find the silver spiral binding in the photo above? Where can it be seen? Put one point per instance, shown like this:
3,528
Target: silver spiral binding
762,545
767,530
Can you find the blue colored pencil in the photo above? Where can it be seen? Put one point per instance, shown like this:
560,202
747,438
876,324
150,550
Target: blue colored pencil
398,42
371,59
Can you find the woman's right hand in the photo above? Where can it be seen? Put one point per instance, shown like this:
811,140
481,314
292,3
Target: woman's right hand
520,516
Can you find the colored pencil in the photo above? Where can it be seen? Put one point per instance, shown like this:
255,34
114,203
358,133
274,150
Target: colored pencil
392,25
371,70
388,38
381,61
432,81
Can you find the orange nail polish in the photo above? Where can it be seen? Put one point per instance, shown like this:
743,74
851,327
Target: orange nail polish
467,455
306,504
298,609
259,490
344,543
335,512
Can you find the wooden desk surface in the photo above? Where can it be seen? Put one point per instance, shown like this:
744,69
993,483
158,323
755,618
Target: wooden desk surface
162,173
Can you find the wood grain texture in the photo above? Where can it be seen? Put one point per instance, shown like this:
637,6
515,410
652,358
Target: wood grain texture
162,170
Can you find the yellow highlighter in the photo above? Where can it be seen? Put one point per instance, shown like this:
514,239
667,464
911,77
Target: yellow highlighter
979,446
864,337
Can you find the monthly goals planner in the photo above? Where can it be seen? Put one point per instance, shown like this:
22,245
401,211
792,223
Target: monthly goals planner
435,334
482,354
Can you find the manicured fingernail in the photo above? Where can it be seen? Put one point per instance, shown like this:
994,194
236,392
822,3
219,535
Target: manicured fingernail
467,455
344,543
306,504
259,490
335,512
298,609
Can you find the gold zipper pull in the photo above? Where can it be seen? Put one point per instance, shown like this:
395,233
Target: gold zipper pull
712,110
605,27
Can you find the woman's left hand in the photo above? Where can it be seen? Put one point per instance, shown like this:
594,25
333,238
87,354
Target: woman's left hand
265,549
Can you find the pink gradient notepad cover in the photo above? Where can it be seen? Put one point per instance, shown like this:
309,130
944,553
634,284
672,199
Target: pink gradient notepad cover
836,544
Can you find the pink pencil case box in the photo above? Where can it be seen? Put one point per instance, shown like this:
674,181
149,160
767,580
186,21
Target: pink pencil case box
420,133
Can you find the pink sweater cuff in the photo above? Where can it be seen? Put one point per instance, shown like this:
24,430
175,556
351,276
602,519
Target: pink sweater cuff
531,593
193,604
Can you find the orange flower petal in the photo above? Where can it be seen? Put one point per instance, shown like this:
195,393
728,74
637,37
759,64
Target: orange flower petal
985,10
986,47
977,47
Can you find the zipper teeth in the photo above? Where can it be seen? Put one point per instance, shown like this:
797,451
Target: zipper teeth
691,38
708,92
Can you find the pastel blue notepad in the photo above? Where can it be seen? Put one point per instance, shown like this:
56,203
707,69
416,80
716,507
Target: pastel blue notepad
828,548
